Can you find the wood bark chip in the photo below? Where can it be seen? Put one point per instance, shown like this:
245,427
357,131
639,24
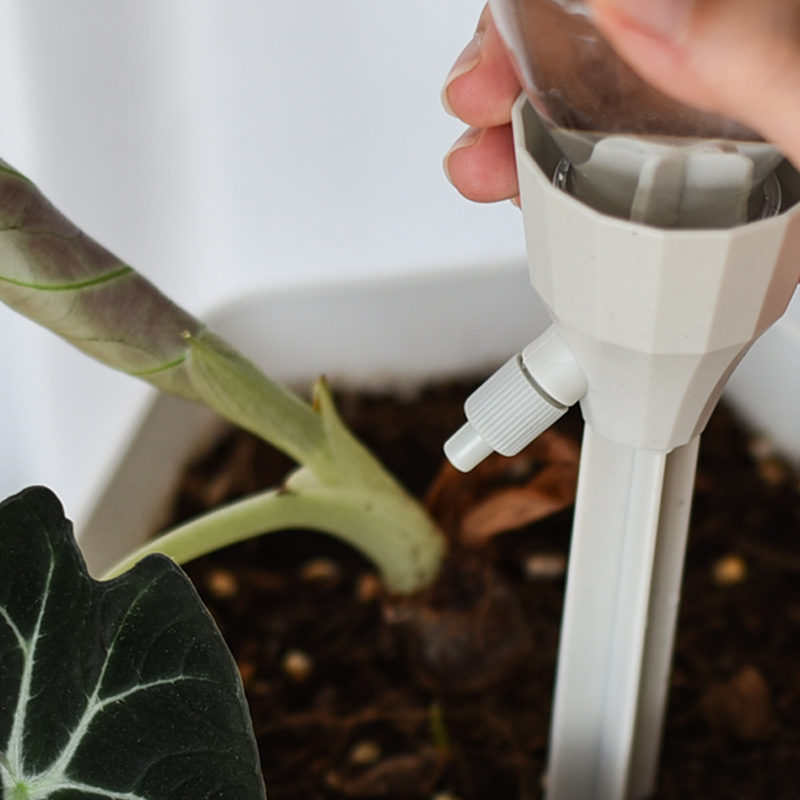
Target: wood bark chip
504,494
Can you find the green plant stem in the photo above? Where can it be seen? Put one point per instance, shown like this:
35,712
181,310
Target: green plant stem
389,529
235,388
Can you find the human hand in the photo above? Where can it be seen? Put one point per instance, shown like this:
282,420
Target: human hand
739,58
481,89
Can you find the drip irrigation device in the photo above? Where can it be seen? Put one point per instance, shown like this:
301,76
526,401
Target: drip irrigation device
663,242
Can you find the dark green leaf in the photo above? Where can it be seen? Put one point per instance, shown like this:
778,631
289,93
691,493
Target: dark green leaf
121,690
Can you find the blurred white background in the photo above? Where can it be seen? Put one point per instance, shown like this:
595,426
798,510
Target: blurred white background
222,149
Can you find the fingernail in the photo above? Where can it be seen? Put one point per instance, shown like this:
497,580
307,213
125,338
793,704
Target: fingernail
468,60
467,139
666,18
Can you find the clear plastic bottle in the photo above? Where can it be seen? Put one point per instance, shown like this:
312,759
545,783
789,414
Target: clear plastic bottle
631,150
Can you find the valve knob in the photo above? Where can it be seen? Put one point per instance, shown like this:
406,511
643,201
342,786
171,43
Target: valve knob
518,402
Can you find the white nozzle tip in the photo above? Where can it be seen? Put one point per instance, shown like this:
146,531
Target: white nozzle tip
466,448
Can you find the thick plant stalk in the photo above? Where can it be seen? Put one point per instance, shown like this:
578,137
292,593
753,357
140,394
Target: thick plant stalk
56,275
359,503
351,514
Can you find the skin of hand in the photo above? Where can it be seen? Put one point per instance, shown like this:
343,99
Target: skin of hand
739,58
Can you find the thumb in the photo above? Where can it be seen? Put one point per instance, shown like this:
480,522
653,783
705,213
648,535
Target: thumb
738,58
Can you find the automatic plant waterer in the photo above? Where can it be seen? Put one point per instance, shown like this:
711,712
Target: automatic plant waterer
663,242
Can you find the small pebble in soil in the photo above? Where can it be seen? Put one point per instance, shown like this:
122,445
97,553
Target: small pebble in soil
297,666
368,587
545,566
730,570
760,447
258,687
365,752
772,469
247,669
401,775
740,707
222,584
319,570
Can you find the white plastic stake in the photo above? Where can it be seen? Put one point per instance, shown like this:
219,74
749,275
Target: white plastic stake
623,587
676,503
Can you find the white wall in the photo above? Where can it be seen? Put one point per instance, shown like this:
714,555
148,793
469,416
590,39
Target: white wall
222,148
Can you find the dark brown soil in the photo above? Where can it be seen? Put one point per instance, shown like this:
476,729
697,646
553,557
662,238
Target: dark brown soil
342,709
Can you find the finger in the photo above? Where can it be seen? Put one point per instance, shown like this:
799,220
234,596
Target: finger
482,85
740,58
481,165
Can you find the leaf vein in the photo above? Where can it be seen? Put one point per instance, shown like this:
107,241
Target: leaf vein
14,752
21,641
97,280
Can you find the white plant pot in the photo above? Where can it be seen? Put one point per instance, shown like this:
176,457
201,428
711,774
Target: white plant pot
385,333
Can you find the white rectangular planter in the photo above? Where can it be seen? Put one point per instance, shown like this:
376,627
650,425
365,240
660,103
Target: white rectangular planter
380,334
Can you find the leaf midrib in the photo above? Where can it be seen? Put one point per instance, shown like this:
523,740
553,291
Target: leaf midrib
54,778
14,753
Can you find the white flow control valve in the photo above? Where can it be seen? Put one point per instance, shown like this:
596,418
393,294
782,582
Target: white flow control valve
518,402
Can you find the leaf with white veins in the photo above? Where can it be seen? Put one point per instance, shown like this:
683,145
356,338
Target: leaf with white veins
121,690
